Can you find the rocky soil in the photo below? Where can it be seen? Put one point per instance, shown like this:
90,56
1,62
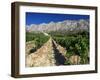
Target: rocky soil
50,54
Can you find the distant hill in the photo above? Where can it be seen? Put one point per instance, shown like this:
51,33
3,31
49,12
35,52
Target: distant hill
66,25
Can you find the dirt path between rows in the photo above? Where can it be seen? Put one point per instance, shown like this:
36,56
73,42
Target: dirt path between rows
50,54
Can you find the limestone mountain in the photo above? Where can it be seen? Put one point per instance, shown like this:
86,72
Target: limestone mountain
66,25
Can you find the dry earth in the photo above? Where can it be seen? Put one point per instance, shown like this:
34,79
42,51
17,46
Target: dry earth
50,54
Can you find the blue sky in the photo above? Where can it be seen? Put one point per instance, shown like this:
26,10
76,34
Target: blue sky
38,18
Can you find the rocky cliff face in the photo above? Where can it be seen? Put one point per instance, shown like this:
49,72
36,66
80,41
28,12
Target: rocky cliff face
66,25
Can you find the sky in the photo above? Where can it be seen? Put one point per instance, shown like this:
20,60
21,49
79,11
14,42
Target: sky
38,18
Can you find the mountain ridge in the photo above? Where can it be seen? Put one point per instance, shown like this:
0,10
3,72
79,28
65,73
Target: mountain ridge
66,25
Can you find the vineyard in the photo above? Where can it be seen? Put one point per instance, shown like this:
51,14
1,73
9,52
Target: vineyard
38,38
75,44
